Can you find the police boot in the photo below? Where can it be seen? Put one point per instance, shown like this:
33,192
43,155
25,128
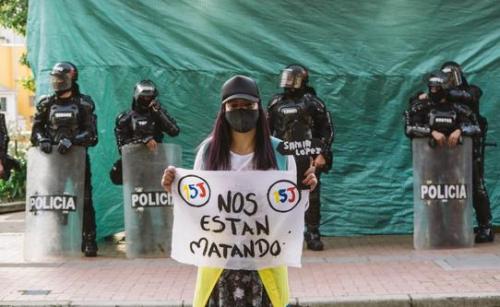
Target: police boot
313,239
89,245
484,233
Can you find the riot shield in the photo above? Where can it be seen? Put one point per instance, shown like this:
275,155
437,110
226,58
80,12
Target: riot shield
54,204
442,195
148,208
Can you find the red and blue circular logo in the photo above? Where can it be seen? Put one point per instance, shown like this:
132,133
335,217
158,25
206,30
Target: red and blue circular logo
283,195
194,190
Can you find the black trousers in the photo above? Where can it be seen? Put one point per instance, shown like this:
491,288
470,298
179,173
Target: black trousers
313,213
89,226
480,196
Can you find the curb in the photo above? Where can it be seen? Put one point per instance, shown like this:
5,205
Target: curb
406,300
68,303
15,206
400,300
452,300
403,300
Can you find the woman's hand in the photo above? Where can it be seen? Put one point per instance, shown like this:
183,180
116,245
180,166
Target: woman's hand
310,177
168,178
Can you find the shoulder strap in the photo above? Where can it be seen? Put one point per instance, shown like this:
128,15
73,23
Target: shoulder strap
281,160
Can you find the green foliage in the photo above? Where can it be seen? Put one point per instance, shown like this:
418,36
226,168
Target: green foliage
15,187
14,15
23,60
28,83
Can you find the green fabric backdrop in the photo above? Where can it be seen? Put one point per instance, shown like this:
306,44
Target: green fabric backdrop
365,57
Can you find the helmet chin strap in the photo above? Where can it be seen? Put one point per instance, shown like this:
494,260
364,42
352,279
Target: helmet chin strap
294,92
140,107
64,93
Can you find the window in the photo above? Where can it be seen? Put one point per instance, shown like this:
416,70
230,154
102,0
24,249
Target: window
3,104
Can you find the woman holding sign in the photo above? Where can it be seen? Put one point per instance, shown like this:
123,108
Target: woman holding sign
241,141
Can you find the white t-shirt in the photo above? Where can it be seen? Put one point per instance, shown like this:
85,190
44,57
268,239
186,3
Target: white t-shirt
238,162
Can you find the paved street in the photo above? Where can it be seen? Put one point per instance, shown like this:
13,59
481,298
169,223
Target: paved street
356,271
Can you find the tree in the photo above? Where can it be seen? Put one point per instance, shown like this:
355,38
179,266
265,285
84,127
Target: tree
14,15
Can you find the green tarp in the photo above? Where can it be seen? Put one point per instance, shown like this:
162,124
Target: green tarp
366,58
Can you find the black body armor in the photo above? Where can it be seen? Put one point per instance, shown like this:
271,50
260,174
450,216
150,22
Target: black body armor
70,118
8,162
302,118
424,116
141,125
443,121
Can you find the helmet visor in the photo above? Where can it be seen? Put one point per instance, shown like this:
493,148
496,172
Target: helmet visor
454,74
290,80
60,82
145,99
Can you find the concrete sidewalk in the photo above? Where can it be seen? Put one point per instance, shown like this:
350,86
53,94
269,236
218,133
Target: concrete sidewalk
358,271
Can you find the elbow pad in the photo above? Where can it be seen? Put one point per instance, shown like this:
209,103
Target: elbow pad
417,131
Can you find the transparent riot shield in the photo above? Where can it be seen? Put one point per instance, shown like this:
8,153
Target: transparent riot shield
54,204
148,208
442,195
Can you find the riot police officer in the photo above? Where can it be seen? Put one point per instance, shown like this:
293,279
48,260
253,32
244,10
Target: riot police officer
433,115
7,163
65,119
467,94
298,114
4,141
144,124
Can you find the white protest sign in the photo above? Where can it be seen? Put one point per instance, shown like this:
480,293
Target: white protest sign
238,220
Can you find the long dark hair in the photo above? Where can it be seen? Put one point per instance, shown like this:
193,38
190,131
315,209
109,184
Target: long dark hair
218,144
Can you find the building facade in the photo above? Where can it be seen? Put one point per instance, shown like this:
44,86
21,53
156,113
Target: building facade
15,101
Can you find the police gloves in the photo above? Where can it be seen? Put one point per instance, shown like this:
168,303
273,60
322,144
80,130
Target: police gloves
155,105
45,146
64,146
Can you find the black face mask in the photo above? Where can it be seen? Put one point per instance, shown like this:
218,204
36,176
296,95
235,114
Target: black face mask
294,92
242,120
142,103
437,96
60,93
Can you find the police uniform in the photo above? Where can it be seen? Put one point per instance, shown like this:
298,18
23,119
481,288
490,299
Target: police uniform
296,115
146,121
65,123
67,119
141,126
469,95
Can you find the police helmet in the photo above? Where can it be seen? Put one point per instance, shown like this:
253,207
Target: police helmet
294,76
145,91
63,76
454,72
